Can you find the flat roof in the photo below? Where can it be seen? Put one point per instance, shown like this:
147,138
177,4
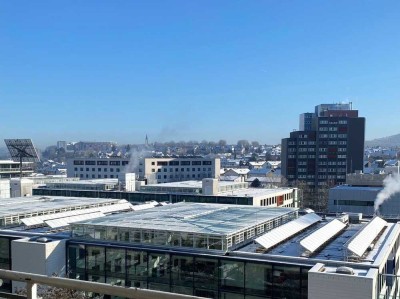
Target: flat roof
334,250
357,188
243,192
33,204
253,192
199,218
188,184
88,182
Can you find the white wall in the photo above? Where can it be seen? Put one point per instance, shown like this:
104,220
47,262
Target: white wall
38,258
130,182
4,188
322,285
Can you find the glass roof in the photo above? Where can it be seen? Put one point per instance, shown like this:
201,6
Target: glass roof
23,205
215,219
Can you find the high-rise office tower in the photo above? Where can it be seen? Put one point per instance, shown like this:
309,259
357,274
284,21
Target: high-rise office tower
329,145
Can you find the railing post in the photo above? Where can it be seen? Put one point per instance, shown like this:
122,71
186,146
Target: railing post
31,290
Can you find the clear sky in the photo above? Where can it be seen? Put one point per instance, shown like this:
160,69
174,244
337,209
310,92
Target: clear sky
193,70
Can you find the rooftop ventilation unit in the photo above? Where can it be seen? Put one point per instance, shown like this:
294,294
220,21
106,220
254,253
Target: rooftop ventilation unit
345,270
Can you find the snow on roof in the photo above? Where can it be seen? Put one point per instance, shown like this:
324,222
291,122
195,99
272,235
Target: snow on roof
239,170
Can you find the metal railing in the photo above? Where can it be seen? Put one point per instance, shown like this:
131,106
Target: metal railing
32,280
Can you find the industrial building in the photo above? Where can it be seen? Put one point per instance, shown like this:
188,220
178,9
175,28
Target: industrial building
209,250
359,195
34,181
205,191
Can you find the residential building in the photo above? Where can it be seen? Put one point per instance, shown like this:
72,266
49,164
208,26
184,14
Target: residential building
164,170
97,168
62,144
332,148
240,172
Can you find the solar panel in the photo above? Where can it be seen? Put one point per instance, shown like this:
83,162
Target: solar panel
359,244
54,223
31,221
143,207
116,208
287,230
322,235
40,220
22,149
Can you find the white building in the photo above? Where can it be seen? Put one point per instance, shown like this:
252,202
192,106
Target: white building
35,181
164,170
222,190
11,169
97,168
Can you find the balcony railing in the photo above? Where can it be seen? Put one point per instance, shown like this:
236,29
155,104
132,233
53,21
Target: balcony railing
32,280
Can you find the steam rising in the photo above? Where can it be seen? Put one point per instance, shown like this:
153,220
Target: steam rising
391,186
135,156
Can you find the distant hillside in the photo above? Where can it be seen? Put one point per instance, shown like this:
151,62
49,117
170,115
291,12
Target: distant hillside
389,141
4,153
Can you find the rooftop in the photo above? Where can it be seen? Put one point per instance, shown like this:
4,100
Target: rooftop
30,206
335,249
253,192
91,182
214,219
187,184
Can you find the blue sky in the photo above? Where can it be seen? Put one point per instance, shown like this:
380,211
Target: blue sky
193,70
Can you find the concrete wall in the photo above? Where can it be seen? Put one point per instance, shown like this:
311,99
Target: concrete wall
322,285
39,258
130,182
27,186
210,186
4,188
389,208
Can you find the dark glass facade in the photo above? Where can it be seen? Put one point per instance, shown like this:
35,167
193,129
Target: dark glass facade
138,197
5,261
206,275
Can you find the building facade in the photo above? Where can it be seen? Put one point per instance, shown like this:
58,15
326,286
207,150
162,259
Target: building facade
332,147
359,196
97,168
165,170
11,169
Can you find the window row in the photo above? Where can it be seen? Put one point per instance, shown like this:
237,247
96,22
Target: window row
212,277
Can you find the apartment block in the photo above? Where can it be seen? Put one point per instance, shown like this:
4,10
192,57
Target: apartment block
97,168
164,170
327,149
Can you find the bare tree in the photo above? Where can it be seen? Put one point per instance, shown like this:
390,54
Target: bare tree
46,292
255,143
222,142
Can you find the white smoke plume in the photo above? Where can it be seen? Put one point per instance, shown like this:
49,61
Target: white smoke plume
135,157
391,186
